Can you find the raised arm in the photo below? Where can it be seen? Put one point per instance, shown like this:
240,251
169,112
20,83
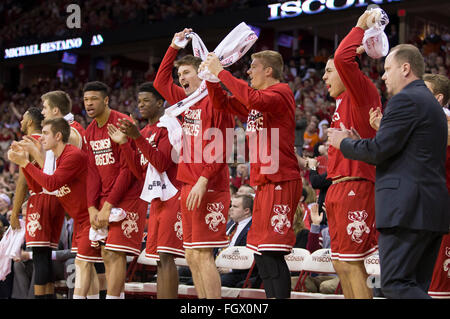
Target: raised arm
261,100
356,83
223,102
163,80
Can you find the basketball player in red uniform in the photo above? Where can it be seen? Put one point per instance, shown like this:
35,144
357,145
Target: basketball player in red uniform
205,194
165,235
350,199
270,107
110,184
69,180
55,104
30,126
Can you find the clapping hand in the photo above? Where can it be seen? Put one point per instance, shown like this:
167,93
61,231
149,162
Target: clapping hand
116,135
375,118
335,136
129,129
18,155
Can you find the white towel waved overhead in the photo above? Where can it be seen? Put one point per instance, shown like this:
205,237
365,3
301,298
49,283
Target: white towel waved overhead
230,50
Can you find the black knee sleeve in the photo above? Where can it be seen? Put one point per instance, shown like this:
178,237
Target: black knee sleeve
275,274
99,268
42,261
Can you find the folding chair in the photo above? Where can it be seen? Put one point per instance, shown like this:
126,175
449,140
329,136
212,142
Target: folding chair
372,264
295,262
140,262
318,262
235,257
137,262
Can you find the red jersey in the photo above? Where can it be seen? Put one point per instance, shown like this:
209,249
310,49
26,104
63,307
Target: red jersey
109,178
153,145
78,129
267,109
352,107
69,179
33,186
197,157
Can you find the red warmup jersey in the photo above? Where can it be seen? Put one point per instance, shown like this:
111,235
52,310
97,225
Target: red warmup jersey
33,186
200,159
352,107
268,109
108,175
69,179
81,133
154,146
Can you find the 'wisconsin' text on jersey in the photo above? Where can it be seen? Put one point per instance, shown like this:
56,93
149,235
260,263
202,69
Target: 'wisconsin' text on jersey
102,150
192,122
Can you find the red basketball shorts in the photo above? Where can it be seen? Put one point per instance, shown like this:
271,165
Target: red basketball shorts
440,282
205,227
273,217
81,244
45,217
165,231
126,235
350,207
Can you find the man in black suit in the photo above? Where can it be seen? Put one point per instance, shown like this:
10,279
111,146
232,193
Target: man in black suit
240,214
411,198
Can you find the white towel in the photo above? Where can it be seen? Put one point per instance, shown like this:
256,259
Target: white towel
174,129
10,247
49,169
116,215
230,49
375,41
158,185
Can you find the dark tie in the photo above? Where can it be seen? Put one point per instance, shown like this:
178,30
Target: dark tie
232,231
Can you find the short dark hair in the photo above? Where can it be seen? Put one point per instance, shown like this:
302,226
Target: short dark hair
247,201
150,88
36,116
96,86
59,99
59,125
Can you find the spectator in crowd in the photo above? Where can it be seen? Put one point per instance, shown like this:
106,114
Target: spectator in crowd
240,215
246,189
300,229
5,203
6,284
311,138
319,238
242,176
300,126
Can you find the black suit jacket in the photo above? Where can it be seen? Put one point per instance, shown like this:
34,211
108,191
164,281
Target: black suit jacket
409,151
241,240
